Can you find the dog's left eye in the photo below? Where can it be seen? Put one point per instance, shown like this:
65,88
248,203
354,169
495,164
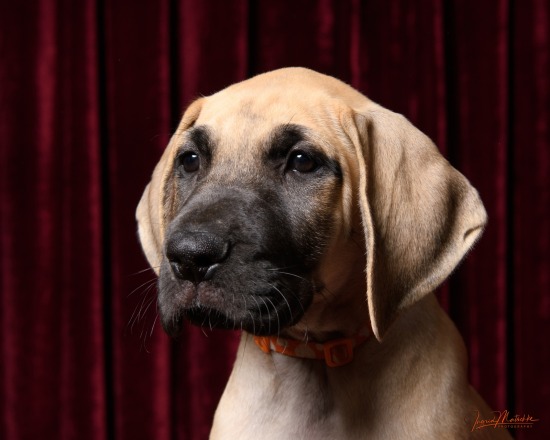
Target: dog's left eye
302,162
190,161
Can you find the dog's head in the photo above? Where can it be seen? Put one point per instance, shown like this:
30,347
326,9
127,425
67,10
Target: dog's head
272,190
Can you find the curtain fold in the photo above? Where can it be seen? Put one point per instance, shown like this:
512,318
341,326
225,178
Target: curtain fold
479,145
529,206
52,322
90,93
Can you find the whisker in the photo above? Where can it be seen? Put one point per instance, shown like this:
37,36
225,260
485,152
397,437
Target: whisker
258,306
137,310
280,268
153,326
277,314
152,268
268,316
286,301
143,333
251,316
141,314
209,322
292,275
148,307
142,285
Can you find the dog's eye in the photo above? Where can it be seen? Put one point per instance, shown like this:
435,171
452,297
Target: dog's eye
302,162
190,162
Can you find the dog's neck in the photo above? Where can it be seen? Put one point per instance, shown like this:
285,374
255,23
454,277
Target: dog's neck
273,387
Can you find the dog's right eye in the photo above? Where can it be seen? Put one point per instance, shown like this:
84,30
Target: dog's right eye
189,162
302,162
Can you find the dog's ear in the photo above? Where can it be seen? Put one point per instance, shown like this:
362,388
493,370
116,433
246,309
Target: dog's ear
157,199
420,215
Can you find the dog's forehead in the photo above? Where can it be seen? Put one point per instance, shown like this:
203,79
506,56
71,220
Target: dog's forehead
259,112
255,115
243,119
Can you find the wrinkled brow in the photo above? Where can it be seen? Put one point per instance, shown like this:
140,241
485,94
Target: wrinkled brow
200,137
283,138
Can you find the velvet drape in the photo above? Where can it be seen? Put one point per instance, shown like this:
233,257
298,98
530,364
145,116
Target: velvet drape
90,92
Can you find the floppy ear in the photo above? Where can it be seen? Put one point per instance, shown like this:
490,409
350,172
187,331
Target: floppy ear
157,199
420,215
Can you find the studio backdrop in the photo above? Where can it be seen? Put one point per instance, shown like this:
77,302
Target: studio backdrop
90,92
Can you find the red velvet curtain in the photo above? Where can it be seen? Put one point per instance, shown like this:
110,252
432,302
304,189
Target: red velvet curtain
89,94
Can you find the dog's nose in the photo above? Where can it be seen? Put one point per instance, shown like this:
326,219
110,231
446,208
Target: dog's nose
195,256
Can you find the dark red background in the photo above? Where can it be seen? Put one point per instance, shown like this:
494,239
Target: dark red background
90,92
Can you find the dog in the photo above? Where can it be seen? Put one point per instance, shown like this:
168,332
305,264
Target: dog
293,208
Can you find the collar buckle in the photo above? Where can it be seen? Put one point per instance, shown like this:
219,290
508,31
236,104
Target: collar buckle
338,352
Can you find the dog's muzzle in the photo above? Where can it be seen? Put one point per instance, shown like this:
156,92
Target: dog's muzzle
232,262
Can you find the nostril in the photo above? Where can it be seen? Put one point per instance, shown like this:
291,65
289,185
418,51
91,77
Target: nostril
196,255
209,272
178,269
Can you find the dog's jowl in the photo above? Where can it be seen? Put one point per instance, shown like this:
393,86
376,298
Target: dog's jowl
294,209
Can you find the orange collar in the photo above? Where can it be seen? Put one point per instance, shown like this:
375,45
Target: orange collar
335,353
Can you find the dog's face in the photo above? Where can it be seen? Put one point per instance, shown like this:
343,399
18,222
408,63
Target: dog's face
274,189
254,212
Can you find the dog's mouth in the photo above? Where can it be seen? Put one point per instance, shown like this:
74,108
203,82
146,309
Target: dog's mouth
254,305
264,317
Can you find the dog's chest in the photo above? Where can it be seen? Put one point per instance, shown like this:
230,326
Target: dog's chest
286,399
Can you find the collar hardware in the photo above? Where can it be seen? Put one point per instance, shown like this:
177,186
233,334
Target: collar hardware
335,353
338,352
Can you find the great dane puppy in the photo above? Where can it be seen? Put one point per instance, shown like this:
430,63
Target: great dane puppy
293,208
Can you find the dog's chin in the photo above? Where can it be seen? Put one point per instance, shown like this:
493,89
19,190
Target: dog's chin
263,324
199,316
